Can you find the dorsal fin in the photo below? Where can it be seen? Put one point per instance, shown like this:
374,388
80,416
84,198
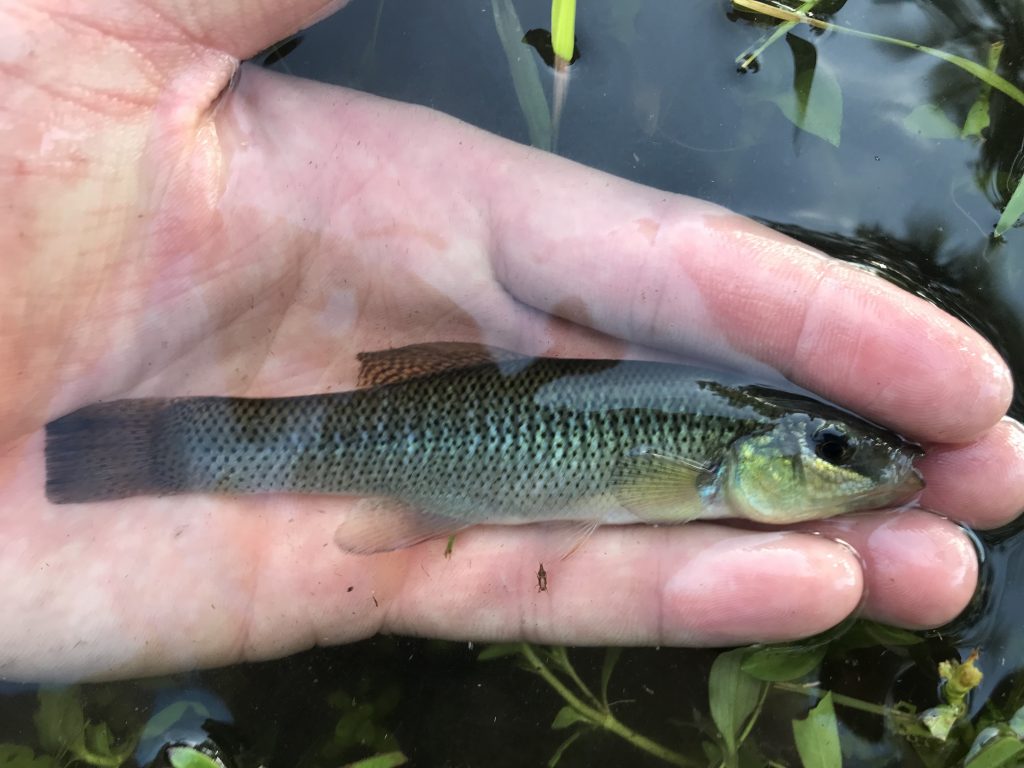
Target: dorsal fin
390,366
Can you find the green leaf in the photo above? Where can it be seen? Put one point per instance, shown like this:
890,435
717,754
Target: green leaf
99,747
868,634
498,651
561,749
815,102
712,751
997,753
779,663
525,79
611,658
733,695
59,721
978,118
186,757
558,657
18,756
563,28
929,121
568,716
940,720
1013,210
817,736
386,760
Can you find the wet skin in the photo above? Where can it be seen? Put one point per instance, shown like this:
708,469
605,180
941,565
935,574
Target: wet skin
166,236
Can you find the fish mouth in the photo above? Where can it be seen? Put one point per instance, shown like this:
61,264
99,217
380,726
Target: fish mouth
900,485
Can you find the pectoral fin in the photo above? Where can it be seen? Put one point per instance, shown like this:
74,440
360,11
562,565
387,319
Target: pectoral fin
381,524
659,488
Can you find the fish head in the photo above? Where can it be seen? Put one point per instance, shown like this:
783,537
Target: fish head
808,466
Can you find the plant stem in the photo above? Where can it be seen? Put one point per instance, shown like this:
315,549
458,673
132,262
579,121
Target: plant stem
603,718
561,656
846,701
745,59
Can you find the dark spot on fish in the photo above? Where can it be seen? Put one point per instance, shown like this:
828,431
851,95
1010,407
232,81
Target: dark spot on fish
350,589
542,579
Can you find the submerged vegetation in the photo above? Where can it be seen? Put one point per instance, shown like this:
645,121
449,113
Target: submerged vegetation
812,100
777,705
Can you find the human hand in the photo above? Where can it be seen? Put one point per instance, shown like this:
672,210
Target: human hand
166,239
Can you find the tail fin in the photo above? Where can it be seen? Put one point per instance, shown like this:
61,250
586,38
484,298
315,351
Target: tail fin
104,451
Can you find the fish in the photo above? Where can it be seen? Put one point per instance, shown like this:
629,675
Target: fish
441,436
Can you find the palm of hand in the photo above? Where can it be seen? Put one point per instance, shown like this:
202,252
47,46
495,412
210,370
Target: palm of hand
234,252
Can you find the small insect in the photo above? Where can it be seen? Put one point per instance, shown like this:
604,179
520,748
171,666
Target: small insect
542,579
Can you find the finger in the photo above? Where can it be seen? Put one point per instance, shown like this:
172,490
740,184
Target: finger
920,570
698,585
981,483
144,586
655,268
674,272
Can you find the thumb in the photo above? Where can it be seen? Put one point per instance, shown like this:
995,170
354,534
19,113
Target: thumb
242,28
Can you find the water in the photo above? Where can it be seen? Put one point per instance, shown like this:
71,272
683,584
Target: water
655,97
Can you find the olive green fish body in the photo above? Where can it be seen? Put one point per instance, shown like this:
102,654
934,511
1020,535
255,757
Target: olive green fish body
523,441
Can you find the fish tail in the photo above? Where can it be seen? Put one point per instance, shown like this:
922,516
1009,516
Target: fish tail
105,451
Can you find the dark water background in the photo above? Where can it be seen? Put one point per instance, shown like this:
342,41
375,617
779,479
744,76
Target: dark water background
656,97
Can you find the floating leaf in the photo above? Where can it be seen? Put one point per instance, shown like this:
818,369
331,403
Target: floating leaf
563,28
815,101
1012,212
525,79
817,736
929,121
778,663
978,118
733,695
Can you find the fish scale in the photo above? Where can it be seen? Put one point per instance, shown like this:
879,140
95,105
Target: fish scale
508,441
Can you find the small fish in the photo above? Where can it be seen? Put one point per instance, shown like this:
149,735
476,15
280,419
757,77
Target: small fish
445,435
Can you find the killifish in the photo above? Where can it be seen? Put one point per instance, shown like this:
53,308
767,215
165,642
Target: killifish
448,435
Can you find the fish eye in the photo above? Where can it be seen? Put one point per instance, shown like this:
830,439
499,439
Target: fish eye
832,444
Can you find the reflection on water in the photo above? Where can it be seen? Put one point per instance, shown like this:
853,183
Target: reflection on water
656,98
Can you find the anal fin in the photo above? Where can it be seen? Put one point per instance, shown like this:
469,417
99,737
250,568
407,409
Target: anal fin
581,533
382,524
